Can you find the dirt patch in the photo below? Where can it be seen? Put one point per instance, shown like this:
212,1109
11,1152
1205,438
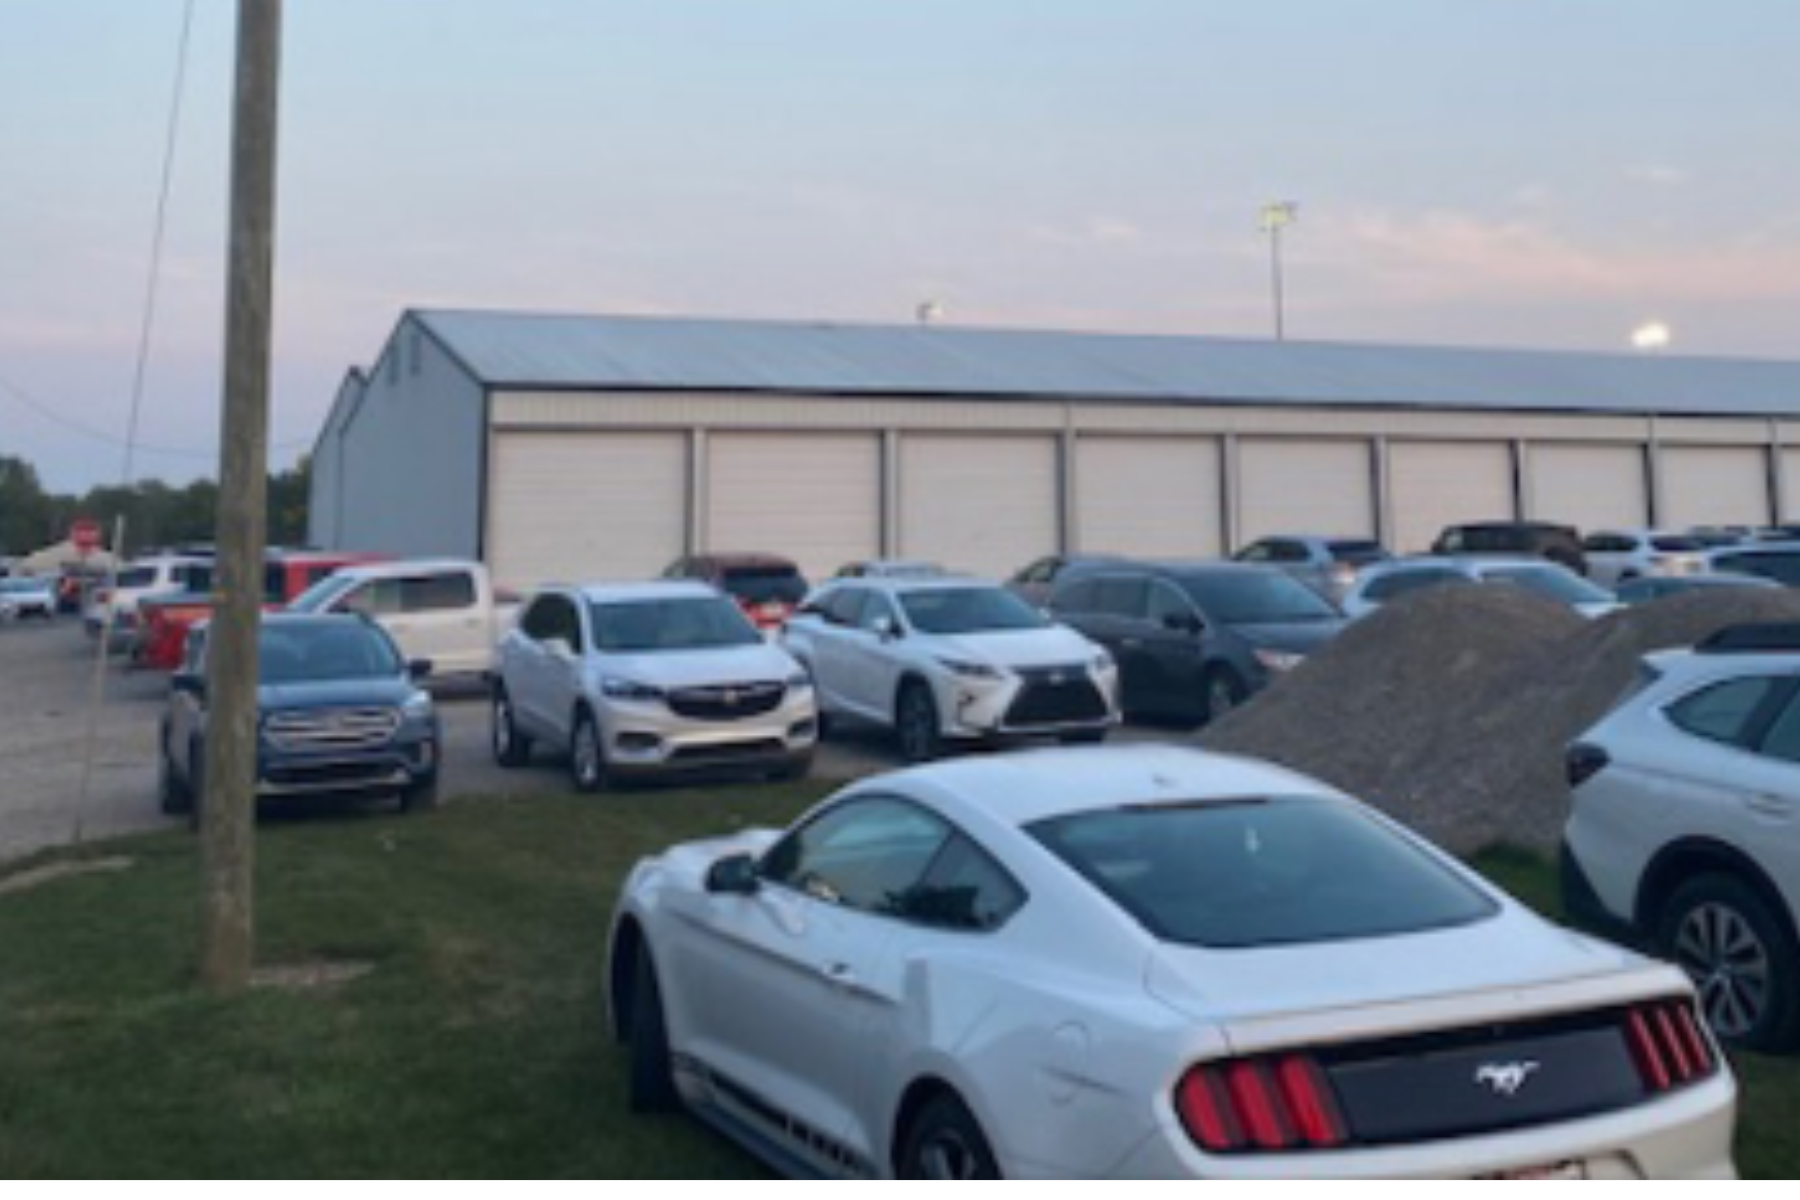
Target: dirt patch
309,977
1450,709
36,877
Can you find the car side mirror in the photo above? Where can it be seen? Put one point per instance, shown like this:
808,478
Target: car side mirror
419,668
734,875
1183,623
188,683
559,647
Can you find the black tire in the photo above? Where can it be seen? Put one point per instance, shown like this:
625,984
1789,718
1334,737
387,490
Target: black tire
944,1141
587,755
196,783
650,1081
916,730
1221,692
511,748
1742,957
798,767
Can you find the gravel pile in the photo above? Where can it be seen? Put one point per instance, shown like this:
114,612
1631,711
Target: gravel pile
1450,709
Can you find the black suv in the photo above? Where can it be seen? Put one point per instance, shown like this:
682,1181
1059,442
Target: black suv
1527,539
1194,641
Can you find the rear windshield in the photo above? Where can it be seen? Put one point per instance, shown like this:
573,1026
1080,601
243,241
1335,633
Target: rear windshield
1281,871
1357,553
761,585
1677,545
1257,597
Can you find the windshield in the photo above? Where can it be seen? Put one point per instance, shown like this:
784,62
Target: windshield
319,596
1283,871
763,585
317,653
968,610
688,623
1256,597
22,586
1548,581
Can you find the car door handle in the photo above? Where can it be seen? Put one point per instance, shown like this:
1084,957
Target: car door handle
841,974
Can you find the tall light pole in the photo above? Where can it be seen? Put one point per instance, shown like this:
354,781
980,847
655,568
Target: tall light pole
1277,216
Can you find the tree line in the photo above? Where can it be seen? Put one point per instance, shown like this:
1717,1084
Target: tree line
155,513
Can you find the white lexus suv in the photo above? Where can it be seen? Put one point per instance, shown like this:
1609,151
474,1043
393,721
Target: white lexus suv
647,679
1685,828
937,659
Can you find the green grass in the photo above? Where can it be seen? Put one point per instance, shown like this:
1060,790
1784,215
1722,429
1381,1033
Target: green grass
474,1049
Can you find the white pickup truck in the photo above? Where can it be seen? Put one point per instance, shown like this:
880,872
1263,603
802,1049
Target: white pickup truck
443,609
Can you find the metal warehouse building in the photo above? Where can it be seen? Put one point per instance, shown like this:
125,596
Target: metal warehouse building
559,447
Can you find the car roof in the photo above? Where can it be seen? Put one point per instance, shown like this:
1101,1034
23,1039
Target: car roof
1025,787
403,566
626,591
911,583
742,560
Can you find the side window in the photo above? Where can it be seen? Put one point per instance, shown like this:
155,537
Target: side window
1168,607
1725,712
1256,552
875,607
1401,582
844,606
1782,741
1122,596
376,598
1077,597
867,854
965,889
1288,552
544,619
434,593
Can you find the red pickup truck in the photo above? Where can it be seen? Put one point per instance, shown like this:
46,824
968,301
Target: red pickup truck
164,621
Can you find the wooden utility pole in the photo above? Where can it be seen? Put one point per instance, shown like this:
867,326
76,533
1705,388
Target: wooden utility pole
227,803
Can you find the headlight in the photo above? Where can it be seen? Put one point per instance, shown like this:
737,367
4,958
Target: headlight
970,670
1279,661
1103,662
629,689
799,681
418,707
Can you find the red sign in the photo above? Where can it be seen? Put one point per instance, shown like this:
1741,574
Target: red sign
84,532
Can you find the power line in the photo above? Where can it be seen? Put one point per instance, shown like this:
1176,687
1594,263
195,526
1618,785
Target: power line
11,391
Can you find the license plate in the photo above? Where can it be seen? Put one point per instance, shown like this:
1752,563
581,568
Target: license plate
1563,1170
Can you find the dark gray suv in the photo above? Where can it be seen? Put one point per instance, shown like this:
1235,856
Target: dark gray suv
1194,641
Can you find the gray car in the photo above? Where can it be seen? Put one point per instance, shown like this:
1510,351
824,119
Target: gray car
1193,641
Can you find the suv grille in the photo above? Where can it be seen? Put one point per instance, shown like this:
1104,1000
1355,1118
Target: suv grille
1055,696
332,728
727,702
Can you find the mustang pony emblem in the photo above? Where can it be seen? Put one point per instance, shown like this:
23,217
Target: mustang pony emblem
1507,1079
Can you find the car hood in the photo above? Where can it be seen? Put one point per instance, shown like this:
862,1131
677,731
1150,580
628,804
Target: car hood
335,693
1054,646
1294,637
701,668
1509,964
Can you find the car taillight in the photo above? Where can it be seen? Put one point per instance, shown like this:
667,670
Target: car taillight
1259,1105
1583,761
1668,1046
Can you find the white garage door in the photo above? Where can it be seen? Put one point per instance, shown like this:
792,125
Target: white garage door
586,506
1589,487
1714,485
1790,486
1305,487
1434,484
815,498
981,504
1151,497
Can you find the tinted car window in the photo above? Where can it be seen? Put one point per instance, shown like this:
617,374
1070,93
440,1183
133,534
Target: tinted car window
1555,584
1357,553
844,606
1256,598
308,653
435,593
1167,605
760,585
1398,583
968,610
648,626
1077,597
1783,739
1783,568
1274,872
137,577
865,854
1121,596
1724,712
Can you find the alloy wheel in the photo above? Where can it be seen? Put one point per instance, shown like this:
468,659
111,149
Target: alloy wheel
1730,965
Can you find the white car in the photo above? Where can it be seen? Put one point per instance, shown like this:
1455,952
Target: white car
1385,581
116,602
944,659
649,679
1685,826
1143,963
25,597
1616,556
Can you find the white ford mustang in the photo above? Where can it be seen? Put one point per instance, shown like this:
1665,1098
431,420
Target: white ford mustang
1144,962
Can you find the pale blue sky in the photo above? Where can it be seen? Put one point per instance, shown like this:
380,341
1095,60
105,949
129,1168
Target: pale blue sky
1535,173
